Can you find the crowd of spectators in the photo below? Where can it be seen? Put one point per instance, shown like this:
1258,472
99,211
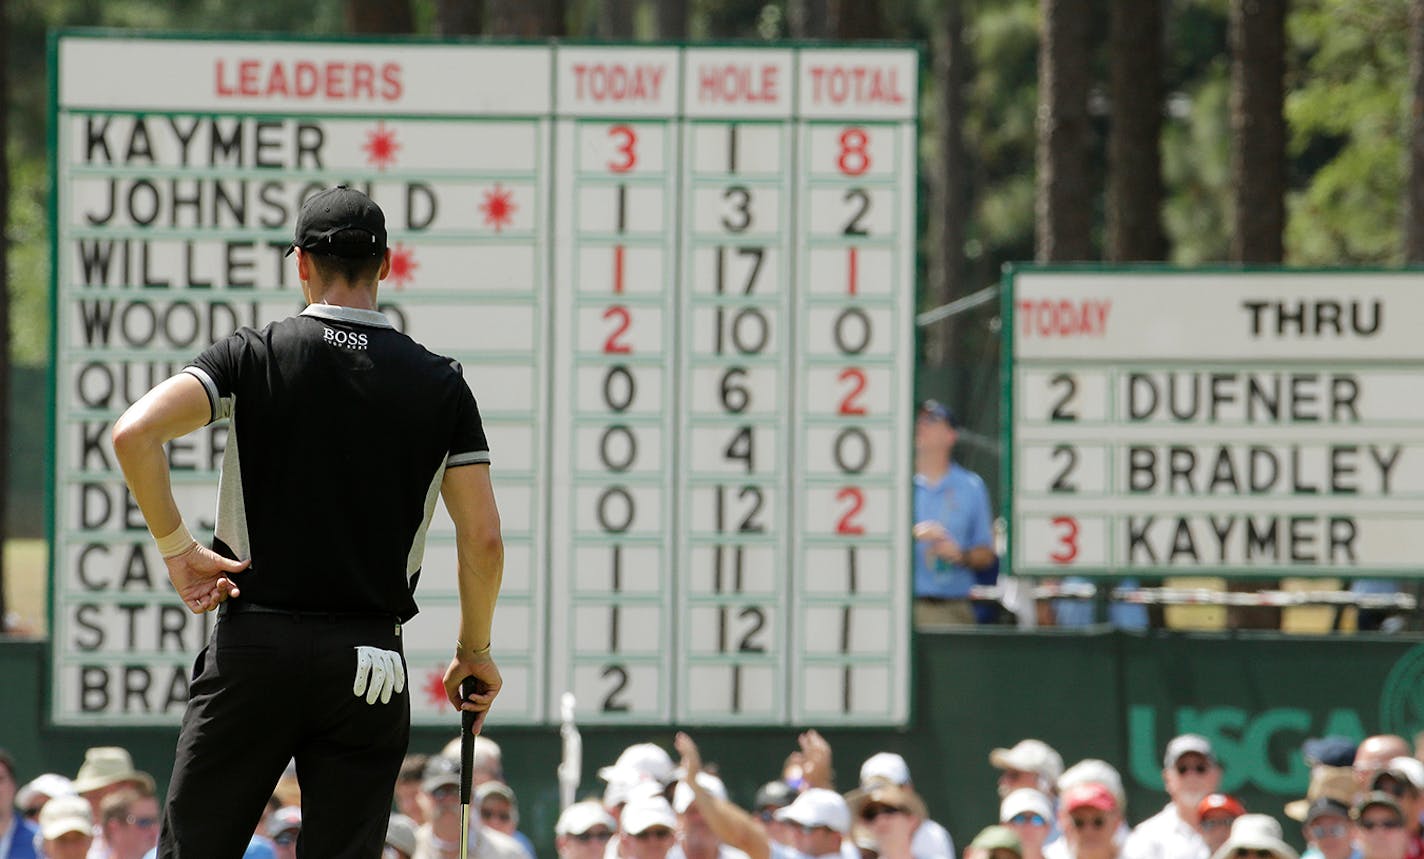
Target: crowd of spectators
1365,801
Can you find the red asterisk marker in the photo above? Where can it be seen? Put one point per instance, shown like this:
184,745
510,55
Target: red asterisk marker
435,688
498,206
380,146
403,265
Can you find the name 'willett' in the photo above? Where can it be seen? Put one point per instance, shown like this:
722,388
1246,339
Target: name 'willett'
151,266
1268,399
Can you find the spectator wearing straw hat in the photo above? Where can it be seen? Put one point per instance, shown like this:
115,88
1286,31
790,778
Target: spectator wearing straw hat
1255,836
930,838
1029,763
894,814
107,769
1189,772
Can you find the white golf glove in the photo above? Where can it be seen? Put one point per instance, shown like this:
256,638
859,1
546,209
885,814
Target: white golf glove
378,674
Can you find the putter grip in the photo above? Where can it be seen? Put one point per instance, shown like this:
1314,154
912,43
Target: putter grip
469,686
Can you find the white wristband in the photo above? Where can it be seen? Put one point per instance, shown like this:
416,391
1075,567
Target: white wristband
176,543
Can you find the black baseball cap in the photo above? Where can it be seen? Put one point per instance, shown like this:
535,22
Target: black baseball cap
345,210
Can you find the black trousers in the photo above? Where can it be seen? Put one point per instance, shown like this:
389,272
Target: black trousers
268,688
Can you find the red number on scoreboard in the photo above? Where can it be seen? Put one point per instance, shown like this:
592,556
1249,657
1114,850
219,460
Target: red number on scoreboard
848,523
854,157
1067,540
627,148
850,404
613,345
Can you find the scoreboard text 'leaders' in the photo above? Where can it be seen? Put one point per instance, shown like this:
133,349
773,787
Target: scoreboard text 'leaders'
680,281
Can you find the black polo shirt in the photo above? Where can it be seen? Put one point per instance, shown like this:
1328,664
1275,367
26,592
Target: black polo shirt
342,428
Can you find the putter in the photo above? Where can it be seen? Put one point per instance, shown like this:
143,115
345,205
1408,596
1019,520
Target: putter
468,687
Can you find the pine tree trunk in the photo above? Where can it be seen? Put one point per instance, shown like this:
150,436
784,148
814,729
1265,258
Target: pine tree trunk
855,19
672,19
615,21
1258,130
459,17
1063,207
379,16
1134,223
527,19
949,178
1414,201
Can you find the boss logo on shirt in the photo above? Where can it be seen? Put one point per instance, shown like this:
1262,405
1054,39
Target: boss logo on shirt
348,339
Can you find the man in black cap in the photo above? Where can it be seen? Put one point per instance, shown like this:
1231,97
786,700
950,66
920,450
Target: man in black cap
954,525
347,429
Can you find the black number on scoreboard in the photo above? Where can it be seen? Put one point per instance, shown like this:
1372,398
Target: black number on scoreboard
1069,387
854,227
619,388
735,394
740,217
749,523
1069,455
758,255
612,703
742,449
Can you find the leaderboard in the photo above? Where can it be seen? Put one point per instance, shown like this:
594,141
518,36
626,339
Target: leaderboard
680,283
1259,423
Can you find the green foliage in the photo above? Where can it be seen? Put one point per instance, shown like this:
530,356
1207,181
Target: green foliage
1347,124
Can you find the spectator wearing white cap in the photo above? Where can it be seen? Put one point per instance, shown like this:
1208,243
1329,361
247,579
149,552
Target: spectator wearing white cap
583,830
1403,779
17,834
1189,772
1090,771
66,828
1255,836
499,810
489,759
647,828
930,839
1029,813
820,817
39,790
1030,763
696,838
400,838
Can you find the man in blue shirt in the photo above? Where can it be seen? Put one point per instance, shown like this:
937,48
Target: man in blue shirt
954,535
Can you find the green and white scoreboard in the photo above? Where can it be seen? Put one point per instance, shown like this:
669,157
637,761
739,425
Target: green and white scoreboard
1215,423
681,284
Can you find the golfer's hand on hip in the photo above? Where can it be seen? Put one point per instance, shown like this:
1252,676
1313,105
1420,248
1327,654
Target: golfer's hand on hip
200,576
481,667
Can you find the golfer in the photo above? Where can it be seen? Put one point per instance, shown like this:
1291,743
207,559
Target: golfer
343,430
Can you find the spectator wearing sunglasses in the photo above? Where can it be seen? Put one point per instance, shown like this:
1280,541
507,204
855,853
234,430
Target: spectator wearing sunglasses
1215,814
647,828
771,798
1189,772
1255,836
1327,830
930,838
128,821
439,836
583,831
1029,813
1089,816
499,810
894,814
1403,779
1379,827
